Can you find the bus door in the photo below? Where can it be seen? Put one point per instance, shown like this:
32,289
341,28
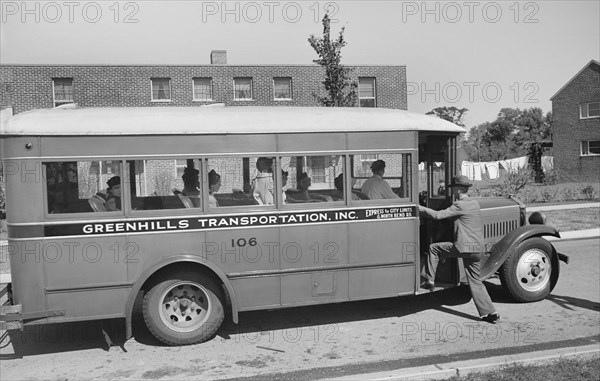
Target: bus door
437,166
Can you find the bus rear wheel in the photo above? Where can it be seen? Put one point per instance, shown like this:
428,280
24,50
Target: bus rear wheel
527,274
184,309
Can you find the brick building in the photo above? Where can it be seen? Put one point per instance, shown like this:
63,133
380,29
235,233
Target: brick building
576,127
27,87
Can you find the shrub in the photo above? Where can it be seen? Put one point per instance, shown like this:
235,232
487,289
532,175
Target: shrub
568,193
513,182
550,177
588,191
548,193
2,200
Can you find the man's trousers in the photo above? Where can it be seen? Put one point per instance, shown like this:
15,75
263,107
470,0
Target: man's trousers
472,263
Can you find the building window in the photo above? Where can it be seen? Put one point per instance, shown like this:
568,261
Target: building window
161,89
589,110
590,147
282,88
63,91
202,89
366,92
242,89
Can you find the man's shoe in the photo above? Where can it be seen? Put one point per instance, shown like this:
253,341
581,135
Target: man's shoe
428,285
491,318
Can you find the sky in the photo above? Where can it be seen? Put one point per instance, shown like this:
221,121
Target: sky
479,55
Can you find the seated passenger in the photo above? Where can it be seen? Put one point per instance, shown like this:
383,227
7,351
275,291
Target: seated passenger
109,201
214,184
338,194
262,185
113,202
376,187
284,179
442,188
191,185
302,194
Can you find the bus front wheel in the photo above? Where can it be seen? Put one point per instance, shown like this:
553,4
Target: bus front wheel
527,273
184,309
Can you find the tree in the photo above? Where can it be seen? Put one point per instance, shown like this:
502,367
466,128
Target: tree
514,133
340,88
451,114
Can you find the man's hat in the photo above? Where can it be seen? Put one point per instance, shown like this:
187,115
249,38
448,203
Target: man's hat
113,181
460,181
378,165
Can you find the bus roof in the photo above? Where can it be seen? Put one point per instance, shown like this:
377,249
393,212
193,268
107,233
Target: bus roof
218,120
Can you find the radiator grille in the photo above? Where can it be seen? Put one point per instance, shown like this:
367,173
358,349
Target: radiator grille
499,228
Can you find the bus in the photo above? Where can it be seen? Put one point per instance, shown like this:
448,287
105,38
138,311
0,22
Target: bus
211,211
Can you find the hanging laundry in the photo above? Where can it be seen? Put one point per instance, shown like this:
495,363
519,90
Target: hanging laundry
467,169
493,169
477,171
547,163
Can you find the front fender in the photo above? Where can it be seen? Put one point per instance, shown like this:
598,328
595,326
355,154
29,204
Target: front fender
507,245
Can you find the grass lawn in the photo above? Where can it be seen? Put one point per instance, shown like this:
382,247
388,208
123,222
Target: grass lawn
573,219
572,369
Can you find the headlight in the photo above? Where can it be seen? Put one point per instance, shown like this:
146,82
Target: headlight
537,218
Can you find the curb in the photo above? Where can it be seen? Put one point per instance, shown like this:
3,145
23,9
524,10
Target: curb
462,368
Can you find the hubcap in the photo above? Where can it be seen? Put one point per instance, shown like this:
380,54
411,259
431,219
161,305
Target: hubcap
185,306
533,270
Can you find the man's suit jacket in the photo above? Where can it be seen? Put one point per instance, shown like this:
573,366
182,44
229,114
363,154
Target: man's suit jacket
468,236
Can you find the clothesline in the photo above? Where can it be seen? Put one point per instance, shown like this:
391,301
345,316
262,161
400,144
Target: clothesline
492,169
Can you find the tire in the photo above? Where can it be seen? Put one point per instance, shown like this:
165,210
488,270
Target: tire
529,274
185,308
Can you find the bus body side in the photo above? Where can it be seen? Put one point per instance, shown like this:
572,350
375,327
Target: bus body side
95,276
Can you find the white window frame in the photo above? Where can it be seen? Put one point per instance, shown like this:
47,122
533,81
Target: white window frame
152,89
289,79
59,102
195,97
235,98
374,97
586,106
178,166
585,148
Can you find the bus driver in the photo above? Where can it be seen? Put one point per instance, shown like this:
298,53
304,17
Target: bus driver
376,187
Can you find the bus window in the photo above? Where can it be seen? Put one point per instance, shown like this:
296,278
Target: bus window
312,178
240,181
396,175
164,184
83,186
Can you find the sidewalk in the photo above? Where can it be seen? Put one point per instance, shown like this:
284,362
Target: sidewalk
447,370
543,208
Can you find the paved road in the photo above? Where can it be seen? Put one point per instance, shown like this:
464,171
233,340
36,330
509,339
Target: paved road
328,341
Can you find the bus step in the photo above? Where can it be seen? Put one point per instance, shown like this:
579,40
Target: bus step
438,287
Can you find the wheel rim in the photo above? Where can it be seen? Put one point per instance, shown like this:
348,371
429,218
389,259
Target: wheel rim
533,270
185,306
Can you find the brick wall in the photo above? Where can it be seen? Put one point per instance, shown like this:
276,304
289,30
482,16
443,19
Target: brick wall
28,87
568,130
